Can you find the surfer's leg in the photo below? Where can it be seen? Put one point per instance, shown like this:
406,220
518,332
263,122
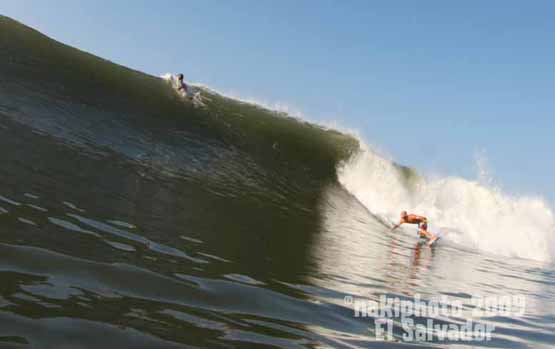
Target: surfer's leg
432,237
427,234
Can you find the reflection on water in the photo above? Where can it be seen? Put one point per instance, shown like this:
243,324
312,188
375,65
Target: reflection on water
360,257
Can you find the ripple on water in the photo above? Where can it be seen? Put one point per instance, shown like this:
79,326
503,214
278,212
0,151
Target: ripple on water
219,259
153,246
120,246
26,221
243,279
73,207
56,291
122,224
38,208
197,241
9,201
70,226
194,320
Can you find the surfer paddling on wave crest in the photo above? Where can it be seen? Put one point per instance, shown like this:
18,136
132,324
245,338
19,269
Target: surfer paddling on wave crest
181,85
187,92
422,225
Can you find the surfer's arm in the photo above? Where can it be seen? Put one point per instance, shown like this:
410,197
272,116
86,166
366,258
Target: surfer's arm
397,226
183,87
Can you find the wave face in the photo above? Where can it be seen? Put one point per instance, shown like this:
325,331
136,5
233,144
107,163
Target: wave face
130,218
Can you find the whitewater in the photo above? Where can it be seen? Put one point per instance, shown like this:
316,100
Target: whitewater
470,213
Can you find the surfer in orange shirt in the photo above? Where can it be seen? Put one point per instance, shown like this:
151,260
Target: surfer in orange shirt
410,219
422,225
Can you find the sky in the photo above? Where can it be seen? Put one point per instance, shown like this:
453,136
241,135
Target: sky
432,84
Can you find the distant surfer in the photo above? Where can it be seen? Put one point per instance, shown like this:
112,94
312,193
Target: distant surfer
422,223
187,92
181,85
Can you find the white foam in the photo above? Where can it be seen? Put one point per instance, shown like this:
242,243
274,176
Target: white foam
474,213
